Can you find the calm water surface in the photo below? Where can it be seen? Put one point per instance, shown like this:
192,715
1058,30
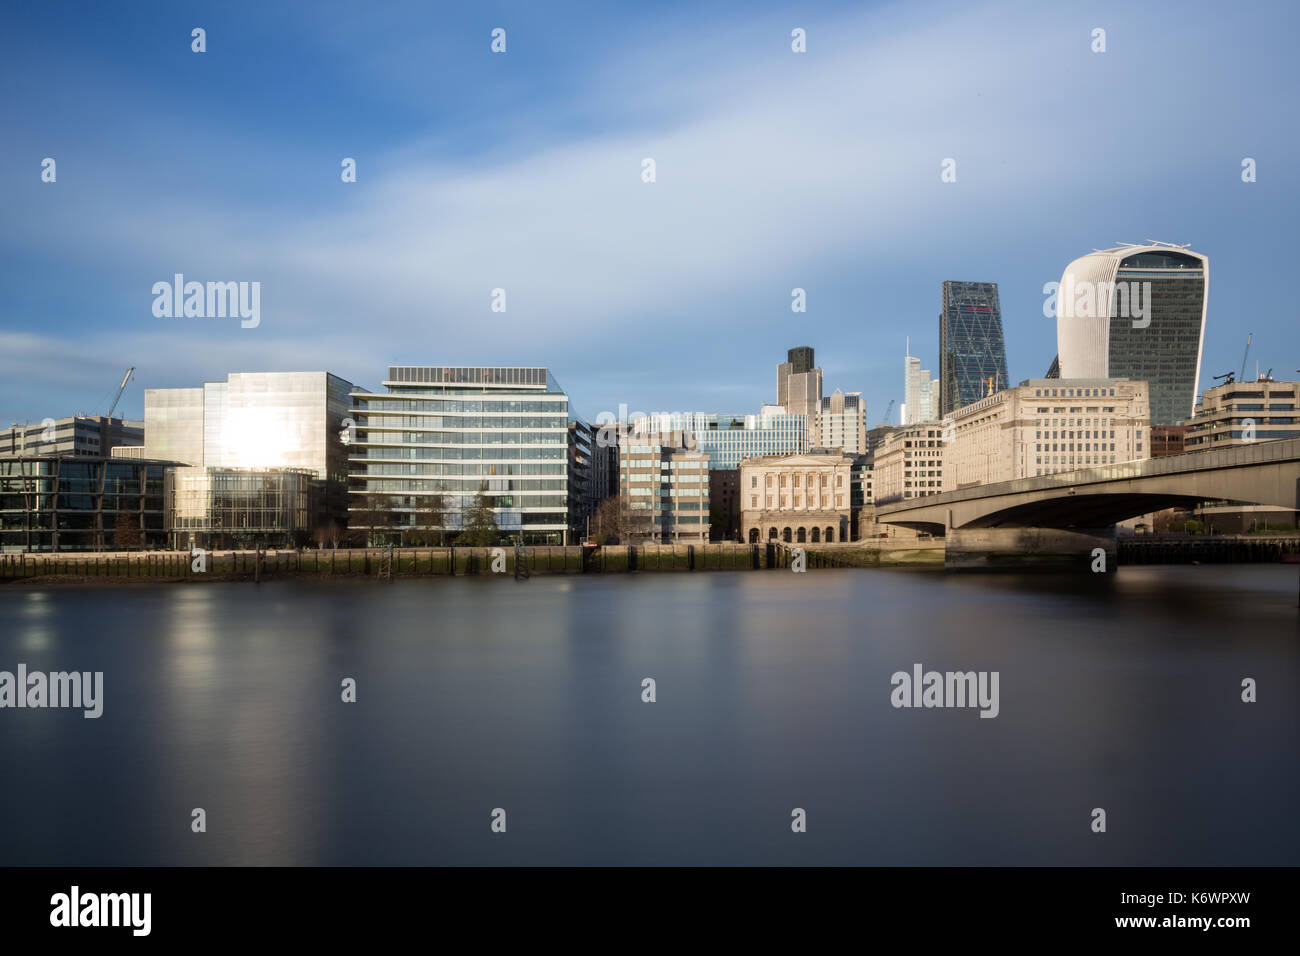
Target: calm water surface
773,693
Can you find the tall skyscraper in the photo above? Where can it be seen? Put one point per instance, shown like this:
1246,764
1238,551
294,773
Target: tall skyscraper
920,392
971,347
799,384
1137,312
801,359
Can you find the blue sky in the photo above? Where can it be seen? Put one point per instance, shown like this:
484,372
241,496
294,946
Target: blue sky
521,171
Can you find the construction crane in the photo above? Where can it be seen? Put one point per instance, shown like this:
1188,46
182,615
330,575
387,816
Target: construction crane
120,389
889,409
1250,336
1229,377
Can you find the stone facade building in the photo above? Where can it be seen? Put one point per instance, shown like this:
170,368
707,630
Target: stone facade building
797,498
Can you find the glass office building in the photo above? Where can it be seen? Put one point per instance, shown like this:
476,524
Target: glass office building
256,422
730,439
452,430
76,503
972,349
241,507
1137,312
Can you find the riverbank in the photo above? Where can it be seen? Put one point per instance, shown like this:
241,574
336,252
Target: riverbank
383,563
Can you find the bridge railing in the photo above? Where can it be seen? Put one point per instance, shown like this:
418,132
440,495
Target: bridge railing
1238,456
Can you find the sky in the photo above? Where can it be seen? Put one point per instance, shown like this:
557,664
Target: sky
523,171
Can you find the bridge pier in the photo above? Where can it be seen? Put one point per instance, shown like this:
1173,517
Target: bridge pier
991,549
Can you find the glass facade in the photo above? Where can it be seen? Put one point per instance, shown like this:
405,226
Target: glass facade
450,431
1165,353
66,503
239,507
255,421
971,346
730,439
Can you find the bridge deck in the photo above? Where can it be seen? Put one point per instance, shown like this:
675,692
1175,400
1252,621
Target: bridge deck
1237,456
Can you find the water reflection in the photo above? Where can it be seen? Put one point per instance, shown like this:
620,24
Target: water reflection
772,691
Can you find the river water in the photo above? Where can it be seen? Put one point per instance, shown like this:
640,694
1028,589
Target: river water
772,693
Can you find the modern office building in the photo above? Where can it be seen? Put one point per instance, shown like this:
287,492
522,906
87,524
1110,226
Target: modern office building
664,486
452,431
799,499
920,392
85,436
842,423
80,503
799,384
220,508
1044,426
730,439
1137,312
972,350
909,463
264,425
588,476
1243,413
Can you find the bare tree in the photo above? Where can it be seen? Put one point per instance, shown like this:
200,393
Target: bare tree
126,532
430,520
616,518
372,520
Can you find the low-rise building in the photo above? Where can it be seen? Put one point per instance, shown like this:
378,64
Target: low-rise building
805,498
82,436
909,463
1168,440
1243,413
79,503
219,508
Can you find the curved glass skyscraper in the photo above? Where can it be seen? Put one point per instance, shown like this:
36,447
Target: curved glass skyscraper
1137,312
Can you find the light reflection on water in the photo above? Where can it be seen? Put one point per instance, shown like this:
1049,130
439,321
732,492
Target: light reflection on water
772,693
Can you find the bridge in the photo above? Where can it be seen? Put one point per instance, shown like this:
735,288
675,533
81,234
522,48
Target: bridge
1071,513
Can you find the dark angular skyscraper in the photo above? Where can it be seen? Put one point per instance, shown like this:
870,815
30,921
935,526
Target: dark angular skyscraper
971,347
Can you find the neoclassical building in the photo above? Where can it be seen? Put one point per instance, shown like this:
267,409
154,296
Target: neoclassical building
806,498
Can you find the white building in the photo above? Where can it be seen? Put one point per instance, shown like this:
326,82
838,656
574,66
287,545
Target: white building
920,393
843,423
1044,426
909,463
1137,312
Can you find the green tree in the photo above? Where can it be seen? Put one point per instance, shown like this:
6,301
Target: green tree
480,526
